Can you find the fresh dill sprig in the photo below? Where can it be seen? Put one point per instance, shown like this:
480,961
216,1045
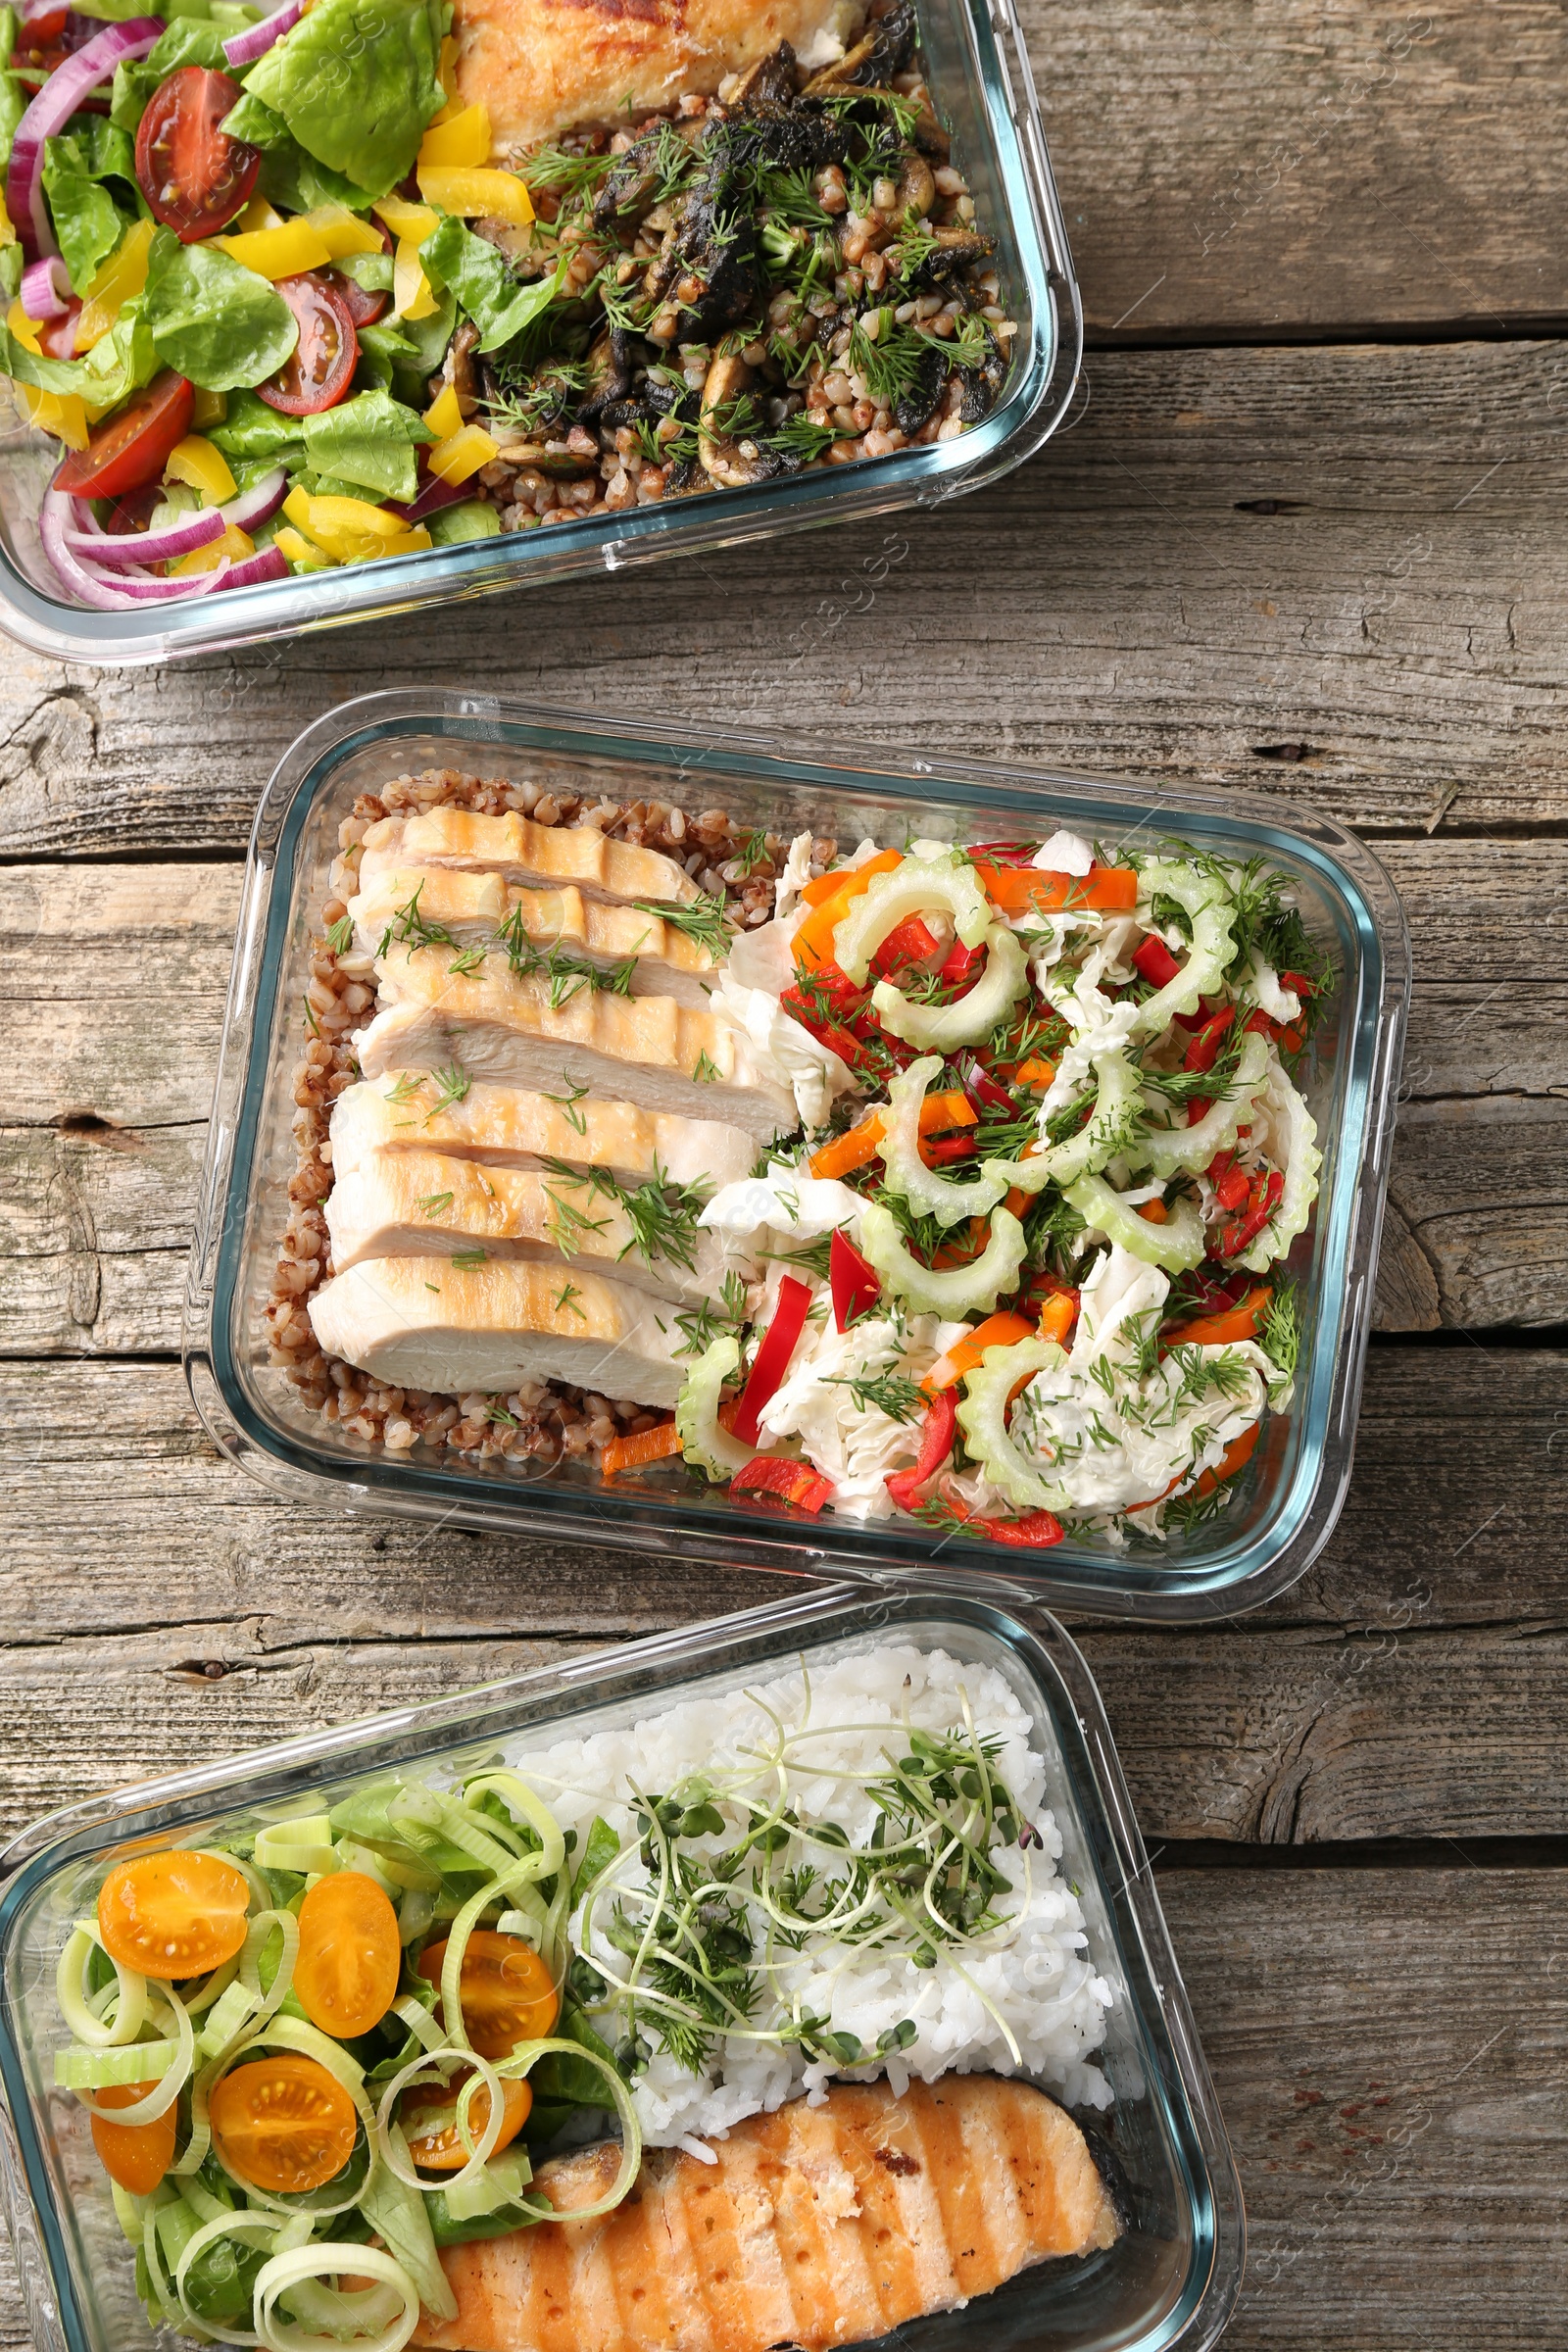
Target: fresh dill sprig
469,1260
565,1301
706,921
407,1085
890,1393
409,928
567,1103
433,1205
799,437
703,1325
1281,1335
562,171
452,1086
340,935
705,1072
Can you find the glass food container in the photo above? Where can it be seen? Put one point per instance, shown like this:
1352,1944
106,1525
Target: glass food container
980,78
1289,1495
1170,2280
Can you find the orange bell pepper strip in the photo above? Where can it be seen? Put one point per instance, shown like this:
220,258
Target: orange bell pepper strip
1222,1331
1058,1316
1034,1070
1235,1456
1002,1330
814,941
858,1145
1113,889
1153,1213
643,1445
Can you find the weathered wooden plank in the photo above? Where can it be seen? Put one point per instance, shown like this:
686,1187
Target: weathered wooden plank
94,1232
1332,575
1255,169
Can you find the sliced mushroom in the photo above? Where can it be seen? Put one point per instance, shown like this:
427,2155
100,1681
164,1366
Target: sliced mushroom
555,460
883,50
730,456
771,79
609,373
916,186
954,249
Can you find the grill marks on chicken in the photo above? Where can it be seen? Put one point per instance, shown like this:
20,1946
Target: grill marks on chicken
505,1126
817,2227
539,857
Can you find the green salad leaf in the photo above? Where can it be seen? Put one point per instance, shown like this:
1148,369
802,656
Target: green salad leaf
89,222
470,518
356,81
252,429
15,96
215,321
369,440
296,181
191,41
476,273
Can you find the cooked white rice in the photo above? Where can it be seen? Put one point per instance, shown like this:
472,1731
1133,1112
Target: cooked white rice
1033,1978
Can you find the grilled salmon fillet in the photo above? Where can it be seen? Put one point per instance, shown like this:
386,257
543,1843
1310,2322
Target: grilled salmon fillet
817,2227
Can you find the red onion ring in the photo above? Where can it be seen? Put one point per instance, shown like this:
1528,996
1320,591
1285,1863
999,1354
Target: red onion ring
46,288
90,584
255,42
268,564
72,81
137,549
434,495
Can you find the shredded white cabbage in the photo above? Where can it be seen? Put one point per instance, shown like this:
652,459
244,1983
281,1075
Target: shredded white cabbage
851,1439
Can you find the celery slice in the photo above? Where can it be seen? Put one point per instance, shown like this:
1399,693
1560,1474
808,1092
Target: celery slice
1108,1132
951,1291
1209,908
1175,1244
927,1190
970,1022
983,1419
1168,1150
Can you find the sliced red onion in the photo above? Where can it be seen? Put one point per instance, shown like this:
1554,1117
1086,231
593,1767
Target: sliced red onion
75,79
255,42
435,495
134,550
46,288
86,581
268,564
259,503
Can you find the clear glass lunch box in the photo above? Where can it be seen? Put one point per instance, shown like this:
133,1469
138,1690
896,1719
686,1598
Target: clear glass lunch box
1170,2280
1289,1495
980,78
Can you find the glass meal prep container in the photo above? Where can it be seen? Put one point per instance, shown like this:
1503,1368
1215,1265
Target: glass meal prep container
1289,1495
980,76
1172,2275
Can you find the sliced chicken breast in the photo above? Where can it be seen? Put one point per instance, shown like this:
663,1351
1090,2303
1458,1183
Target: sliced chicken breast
547,856
505,1126
817,2227
429,1204
484,914
415,1323
644,1049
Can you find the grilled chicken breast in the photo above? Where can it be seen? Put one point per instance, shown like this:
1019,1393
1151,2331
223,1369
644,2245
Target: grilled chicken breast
817,2227
505,1126
545,67
644,1050
428,1204
418,1324
542,857
472,909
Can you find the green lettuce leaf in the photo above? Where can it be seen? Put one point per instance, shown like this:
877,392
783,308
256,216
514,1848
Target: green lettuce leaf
190,42
121,362
382,351
252,429
297,184
471,518
476,273
371,273
369,440
89,222
356,81
254,120
218,322
14,97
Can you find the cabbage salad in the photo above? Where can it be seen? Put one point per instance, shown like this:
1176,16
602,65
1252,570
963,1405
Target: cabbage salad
1024,1270
314,2057
236,252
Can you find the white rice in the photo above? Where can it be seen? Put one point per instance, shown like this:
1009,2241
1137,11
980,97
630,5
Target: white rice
1032,1978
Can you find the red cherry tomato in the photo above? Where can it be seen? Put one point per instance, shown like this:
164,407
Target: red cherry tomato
320,368
58,336
129,450
363,308
42,27
194,177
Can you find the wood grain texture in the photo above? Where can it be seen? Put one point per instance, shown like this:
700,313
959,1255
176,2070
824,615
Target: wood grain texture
1387,643
1247,170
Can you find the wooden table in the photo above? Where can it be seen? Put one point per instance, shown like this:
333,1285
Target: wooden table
1302,535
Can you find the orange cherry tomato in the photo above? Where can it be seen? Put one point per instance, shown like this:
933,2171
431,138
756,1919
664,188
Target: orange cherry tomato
504,1989
137,2155
350,1953
172,1914
282,2124
440,2150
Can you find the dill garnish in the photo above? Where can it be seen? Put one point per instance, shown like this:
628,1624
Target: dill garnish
340,935
452,1086
890,1393
705,1324
469,1259
705,1072
706,921
567,1103
433,1205
565,1301
409,928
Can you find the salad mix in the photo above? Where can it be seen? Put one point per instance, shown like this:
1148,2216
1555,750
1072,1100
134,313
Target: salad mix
1023,1268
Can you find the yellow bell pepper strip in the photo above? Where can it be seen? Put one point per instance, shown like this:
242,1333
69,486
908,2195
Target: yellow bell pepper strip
286,252
63,413
416,222
495,195
235,544
24,329
444,416
350,530
257,213
117,281
464,139
814,941
454,460
412,297
341,231
299,549
208,408
8,234
196,462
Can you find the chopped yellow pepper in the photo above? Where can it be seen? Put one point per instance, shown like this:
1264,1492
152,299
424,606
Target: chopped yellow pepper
342,232
416,222
463,454
62,414
274,253
257,213
464,139
118,281
299,549
8,235
338,514
208,408
412,297
196,462
24,329
235,544
497,195
444,416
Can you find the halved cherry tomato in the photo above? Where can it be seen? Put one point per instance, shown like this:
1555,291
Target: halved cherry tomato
362,307
172,1914
346,1975
40,26
128,451
319,371
504,1989
58,336
194,177
137,2155
282,2124
440,2150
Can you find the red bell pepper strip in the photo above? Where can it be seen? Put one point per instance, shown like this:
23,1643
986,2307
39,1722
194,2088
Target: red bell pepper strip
1299,984
772,1357
1203,1054
1156,962
819,1022
1034,1532
1230,1182
911,942
1007,852
962,967
985,1092
854,1287
937,1151
774,1474
937,1433
1263,1199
